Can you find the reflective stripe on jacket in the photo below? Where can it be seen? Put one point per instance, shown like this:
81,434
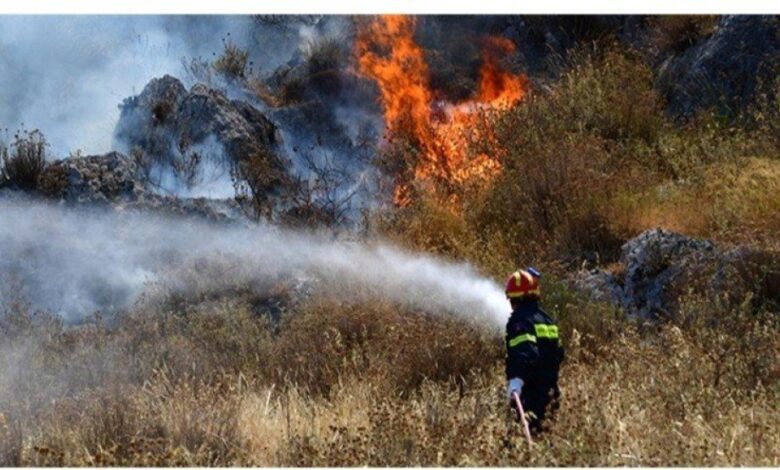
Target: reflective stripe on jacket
534,351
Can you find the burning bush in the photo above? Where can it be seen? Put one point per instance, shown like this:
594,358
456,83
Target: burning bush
553,148
24,160
572,170
592,161
439,132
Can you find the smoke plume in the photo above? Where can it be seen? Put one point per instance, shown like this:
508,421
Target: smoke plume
73,263
66,75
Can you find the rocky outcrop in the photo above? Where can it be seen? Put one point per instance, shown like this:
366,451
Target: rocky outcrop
240,128
115,181
724,69
147,120
655,263
180,130
600,285
658,267
165,118
98,178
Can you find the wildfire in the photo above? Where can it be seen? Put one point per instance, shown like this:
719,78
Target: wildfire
497,87
388,54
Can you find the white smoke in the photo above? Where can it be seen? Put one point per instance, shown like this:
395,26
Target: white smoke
209,177
73,262
66,75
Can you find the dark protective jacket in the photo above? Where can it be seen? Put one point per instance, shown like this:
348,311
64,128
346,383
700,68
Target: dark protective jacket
534,351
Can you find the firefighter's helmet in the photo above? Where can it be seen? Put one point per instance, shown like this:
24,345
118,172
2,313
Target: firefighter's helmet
523,283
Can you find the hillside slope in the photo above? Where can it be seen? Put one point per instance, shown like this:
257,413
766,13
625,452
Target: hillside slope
345,308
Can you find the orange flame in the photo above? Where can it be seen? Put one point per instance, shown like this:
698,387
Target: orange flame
402,74
388,54
497,87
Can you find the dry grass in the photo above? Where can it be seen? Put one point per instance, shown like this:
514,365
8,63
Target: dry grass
733,202
370,385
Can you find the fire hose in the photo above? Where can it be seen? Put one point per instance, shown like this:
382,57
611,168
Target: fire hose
521,416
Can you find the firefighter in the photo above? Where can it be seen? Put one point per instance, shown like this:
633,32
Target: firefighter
534,351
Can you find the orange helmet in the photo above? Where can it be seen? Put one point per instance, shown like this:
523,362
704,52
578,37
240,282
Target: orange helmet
522,283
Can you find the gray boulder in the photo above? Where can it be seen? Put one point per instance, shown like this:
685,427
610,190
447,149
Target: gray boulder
98,178
240,128
725,69
654,263
599,285
658,267
115,181
180,132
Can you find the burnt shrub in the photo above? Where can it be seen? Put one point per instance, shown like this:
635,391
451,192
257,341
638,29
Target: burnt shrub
292,90
256,179
328,54
233,61
24,160
324,61
54,181
675,33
